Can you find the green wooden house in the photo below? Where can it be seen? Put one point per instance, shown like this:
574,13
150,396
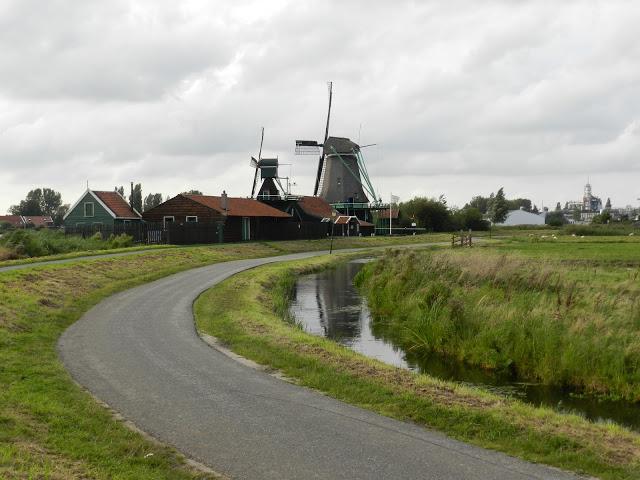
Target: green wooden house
97,210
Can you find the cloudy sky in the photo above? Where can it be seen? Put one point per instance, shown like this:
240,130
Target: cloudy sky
461,97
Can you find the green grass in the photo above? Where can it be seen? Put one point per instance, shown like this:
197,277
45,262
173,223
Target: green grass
81,253
49,426
246,313
565,313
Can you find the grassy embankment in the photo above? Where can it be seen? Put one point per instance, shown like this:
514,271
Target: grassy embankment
249,314
50,427
29,243
572,318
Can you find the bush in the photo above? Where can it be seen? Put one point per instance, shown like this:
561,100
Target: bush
38,243
24,243
600,230
120,241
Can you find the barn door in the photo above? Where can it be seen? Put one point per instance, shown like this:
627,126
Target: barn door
246,228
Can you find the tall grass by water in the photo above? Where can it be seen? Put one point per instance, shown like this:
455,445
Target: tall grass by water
538,319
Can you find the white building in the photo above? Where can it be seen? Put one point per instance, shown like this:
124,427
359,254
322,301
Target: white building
521,217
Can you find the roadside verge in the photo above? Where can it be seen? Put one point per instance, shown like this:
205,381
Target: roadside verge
247,313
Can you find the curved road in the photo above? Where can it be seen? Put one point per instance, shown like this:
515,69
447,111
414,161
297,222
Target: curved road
138,351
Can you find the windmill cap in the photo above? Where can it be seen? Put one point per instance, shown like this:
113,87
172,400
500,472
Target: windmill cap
340,145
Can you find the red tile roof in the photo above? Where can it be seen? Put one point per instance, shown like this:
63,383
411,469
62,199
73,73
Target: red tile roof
385,213
316,207
39,220
15,220
116,204
239,207
344,220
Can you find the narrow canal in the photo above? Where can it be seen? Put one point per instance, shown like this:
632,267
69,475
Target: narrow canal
328,304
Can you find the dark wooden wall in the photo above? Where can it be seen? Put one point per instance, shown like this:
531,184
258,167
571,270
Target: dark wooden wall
180,207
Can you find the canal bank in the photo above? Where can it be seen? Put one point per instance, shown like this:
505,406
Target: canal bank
328,304
241,313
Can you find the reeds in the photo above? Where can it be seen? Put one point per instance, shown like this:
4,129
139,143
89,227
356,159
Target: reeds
536,319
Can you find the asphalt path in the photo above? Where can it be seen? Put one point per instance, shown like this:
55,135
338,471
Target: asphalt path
138,351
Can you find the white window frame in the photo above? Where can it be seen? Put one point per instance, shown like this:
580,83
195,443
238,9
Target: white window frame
93,210
165,218
186,219
79,224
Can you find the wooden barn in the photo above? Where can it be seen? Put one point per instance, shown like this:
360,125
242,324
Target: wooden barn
227,219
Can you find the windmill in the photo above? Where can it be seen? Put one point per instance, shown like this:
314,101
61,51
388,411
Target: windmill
342,175
268,168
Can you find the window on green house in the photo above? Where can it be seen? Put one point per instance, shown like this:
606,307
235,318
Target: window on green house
88,209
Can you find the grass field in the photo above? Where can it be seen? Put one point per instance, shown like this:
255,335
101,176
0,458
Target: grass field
50,427
563,312
249,314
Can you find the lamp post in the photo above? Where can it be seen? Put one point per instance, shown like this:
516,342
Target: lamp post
333,214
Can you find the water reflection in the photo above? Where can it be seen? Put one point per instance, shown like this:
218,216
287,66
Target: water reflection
327,304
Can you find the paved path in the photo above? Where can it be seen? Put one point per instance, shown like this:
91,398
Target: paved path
138,351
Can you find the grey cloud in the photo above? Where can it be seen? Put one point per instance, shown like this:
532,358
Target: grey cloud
174,94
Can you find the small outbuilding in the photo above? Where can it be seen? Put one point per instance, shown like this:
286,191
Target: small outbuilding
100,210
351,226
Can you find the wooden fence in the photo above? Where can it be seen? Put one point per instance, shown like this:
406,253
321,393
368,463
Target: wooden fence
199,233
461,240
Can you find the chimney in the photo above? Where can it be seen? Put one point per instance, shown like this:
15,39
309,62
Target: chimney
131,196
224,202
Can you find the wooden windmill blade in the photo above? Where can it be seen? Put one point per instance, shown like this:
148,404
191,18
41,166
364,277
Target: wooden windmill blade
311,147
256,164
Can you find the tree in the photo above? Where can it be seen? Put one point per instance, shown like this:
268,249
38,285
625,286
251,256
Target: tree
535,210
135,199
555,219
192,192
51,201
44,201
608,204
499,207
519,203
428,213
58,218
576,215
152,200
604,217
479,202
469,218
120,190
558,207
32,205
